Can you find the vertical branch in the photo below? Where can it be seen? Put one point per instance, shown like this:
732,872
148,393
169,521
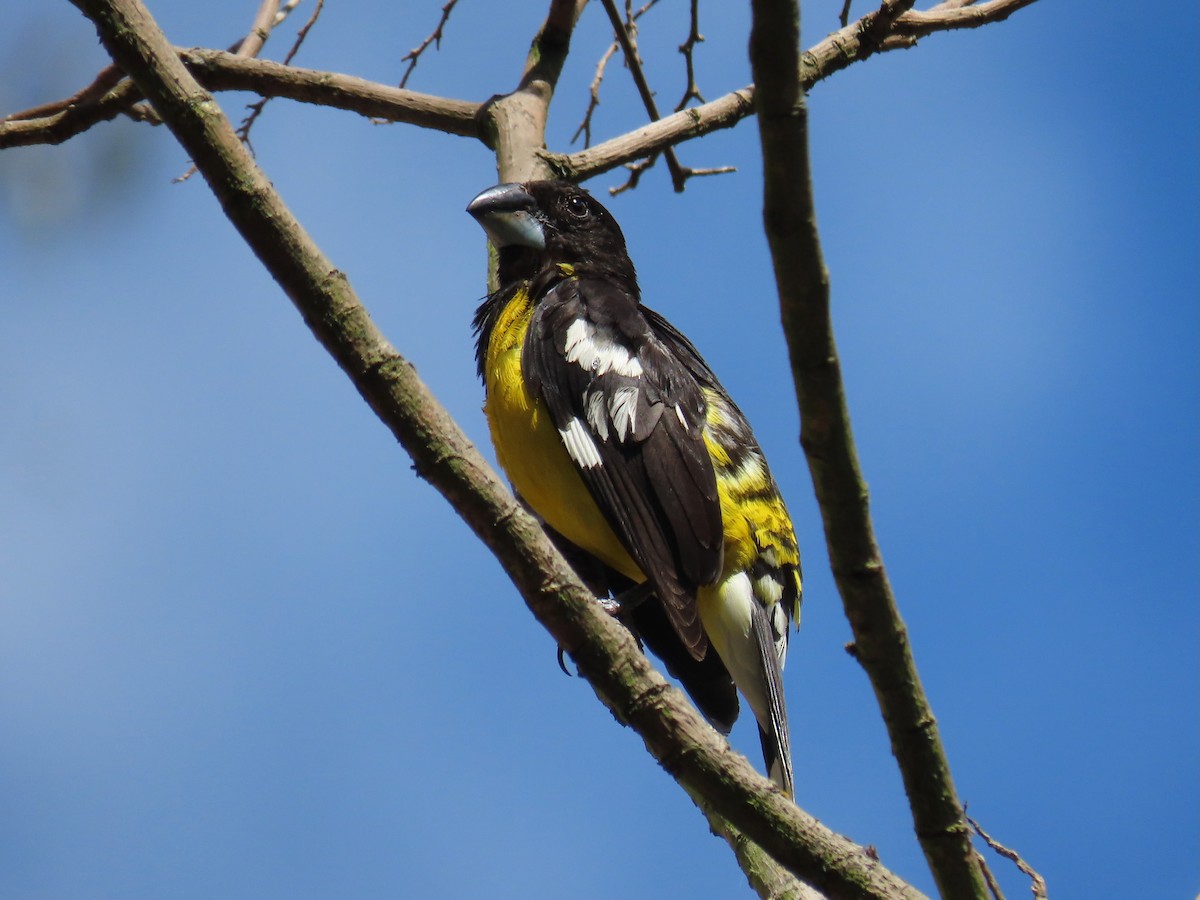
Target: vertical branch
881,641
514,125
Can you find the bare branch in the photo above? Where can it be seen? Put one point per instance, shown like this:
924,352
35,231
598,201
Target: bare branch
264,21
222,71
624,38
585,126
268,16
844,15
724,112
514,125
636,171
687,48
412,57
1038,885
878,31
881,640
953,15
108,78
256,108
993,885
53,123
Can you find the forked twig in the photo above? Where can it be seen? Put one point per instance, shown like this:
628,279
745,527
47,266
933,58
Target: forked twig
256,108
624,31
585,126
270,14
692,91
1038,885
413,56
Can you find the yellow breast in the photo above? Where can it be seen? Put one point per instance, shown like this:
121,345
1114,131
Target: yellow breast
531,452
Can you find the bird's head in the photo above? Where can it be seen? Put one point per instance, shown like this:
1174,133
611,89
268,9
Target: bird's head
540,224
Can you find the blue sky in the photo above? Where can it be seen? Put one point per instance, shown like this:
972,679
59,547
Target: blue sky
245,652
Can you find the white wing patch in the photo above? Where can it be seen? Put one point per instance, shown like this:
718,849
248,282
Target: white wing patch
596,352
682,418
623,409
594,401
580,445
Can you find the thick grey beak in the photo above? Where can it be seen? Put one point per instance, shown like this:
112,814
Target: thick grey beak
508,213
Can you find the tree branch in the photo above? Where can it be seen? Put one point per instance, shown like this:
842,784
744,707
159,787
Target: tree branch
891,27
260,104
585,126
413,56
220,71
260,30
514,125
105,99
881,641
951,15
634,63
1037,882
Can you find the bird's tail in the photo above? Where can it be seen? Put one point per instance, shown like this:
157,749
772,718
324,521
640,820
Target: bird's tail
744,633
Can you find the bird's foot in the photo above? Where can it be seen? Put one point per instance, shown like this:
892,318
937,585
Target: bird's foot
626,601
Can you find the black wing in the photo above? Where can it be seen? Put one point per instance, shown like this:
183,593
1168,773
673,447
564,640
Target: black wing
632,416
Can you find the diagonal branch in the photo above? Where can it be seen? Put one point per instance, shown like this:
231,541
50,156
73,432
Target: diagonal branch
604,651
1037,882
873,33
221,71
955,14
881,640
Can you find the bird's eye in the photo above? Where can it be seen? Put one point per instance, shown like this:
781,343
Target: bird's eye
577,207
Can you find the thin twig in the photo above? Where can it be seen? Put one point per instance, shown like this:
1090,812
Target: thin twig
1038,885
844,15
104,82
826,435
624,38
992,884
636,171
256,108
264,21
625,35
269,15
434,37
828,56
692,91
53,123
585,126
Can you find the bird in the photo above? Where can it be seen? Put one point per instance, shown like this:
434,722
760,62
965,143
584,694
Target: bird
613,429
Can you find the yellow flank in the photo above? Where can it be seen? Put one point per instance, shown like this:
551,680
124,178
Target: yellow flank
755,520
531,451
